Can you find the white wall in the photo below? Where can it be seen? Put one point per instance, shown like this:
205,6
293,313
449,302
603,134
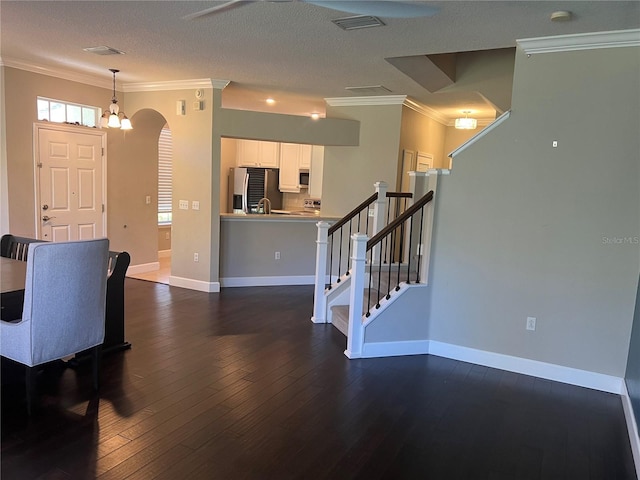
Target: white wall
521,227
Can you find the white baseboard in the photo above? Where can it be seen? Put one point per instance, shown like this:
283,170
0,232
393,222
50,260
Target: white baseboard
164,253
394,349
191,284
267,281
143,268
632,427
549,371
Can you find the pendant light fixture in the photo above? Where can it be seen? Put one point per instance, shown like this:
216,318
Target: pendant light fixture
114,118
466,123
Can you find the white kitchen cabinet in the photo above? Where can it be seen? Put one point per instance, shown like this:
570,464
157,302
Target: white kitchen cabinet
305,157
290,167
269,154
254,153
316,171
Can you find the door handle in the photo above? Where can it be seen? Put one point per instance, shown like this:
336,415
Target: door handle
46,218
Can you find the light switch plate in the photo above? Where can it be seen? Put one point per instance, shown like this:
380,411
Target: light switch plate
183,204
195,205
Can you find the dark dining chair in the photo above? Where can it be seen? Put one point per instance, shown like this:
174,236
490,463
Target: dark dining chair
64,307
12,246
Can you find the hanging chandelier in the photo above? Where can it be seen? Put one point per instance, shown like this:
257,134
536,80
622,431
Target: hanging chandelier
114,118
466,123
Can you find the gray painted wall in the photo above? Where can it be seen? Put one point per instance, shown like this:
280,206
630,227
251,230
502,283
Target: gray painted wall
632,377
524,229
247,247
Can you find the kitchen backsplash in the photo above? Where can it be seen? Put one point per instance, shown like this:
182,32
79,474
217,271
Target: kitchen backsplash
293,201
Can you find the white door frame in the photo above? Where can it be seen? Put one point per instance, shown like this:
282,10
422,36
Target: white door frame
37,126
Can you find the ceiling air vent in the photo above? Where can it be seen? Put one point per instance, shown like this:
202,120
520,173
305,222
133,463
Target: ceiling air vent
370,90
103,50
359,21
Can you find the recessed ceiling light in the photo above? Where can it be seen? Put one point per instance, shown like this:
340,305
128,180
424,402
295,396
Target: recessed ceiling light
561,16
315,116
270,101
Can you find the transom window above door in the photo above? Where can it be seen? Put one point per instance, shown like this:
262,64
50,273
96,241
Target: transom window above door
65,112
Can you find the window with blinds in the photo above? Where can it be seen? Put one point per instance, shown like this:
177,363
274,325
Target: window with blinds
165,173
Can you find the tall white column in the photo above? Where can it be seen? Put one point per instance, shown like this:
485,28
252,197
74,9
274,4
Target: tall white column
355,332
319,299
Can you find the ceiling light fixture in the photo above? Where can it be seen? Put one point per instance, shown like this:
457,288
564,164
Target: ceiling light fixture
270,101
114,118
466,123
561,16
315,116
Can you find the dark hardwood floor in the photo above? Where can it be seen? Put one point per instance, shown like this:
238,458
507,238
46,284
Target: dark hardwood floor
241,385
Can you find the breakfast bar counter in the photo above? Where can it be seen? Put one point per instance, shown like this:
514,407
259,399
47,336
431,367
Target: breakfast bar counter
274,249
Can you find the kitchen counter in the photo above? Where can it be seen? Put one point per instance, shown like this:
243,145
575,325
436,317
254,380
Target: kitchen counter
277,217
275,249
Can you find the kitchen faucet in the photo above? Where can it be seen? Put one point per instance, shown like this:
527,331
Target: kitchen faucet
266,205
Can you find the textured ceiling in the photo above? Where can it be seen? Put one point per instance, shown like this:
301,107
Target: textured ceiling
288,50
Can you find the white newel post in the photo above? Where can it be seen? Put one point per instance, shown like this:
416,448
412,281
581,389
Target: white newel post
379,207
319,300
355,337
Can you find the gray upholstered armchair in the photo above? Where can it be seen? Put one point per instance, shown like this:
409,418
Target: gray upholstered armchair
64,306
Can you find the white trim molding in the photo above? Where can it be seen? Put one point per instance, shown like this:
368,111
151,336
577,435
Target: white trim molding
64,74
525,366
394,349
143,268
366,101
191,284
581,41
175,85
267,281
427,112
632,427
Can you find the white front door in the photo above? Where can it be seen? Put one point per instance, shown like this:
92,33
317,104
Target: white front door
70,181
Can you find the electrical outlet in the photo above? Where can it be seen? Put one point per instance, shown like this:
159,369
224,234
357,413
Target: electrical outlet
372,212
277,255
195,257
531,323
147,199
167,236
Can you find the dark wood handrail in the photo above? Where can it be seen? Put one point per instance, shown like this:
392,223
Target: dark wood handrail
398,221
336,226
399,195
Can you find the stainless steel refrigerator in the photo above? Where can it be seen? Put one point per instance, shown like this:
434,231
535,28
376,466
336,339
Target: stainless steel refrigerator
247,186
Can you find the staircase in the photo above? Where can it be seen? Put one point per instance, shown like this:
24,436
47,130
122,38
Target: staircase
371,276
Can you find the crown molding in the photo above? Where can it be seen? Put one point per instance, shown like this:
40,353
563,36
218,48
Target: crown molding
426,111
175,85
364,101
93,80
101,81
581,41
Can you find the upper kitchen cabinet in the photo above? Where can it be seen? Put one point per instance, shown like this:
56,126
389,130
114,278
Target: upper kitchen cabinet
254,153
290,167
305,157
